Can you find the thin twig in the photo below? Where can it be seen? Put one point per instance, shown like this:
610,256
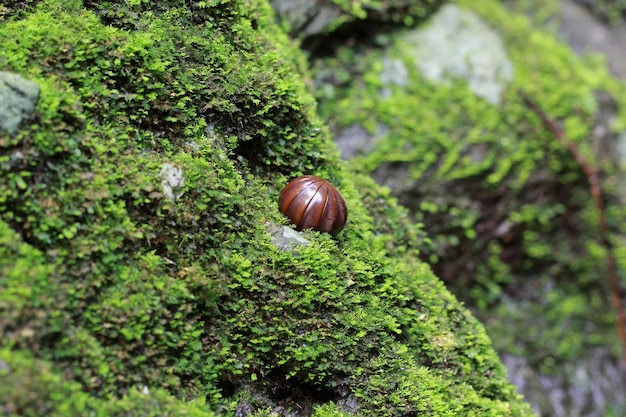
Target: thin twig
596,193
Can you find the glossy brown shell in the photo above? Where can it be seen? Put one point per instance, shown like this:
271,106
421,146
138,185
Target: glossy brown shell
313,203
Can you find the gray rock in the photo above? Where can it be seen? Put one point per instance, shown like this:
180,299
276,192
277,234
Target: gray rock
286,238
394,72
307,17
172,181
18,97
356,140
586,34
458,44
585,387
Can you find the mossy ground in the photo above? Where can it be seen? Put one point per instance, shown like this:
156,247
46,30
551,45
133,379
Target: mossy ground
506,206
118,300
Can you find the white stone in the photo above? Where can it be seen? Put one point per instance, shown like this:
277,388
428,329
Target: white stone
172,181
457,44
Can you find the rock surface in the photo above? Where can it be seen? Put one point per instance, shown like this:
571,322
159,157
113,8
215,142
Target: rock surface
18,97
458,44
588,34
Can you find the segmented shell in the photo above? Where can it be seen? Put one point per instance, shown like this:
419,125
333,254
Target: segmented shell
311,202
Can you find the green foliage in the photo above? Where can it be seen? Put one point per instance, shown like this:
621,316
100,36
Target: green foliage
386,388
314,319
34,388
329,410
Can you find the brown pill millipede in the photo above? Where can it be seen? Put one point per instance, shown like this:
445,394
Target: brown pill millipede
311,202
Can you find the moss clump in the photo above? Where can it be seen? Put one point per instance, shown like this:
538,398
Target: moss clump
33,387
134,249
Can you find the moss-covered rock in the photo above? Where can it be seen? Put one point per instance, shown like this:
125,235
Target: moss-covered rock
34,387
138,271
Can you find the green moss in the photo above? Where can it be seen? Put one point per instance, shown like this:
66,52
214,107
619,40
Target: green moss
34,388
115,284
